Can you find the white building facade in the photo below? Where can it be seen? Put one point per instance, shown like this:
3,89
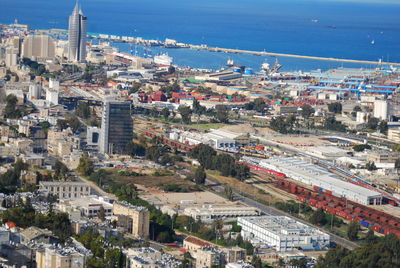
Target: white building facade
282,233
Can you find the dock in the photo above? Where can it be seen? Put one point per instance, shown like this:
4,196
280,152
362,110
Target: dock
264,53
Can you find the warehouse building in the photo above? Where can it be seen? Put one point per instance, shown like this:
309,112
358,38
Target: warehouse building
282,233
209,213
216,138
311,174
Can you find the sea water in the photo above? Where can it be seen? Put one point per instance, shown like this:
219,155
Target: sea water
354,29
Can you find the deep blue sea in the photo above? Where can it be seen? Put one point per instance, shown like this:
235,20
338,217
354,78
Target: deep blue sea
345,29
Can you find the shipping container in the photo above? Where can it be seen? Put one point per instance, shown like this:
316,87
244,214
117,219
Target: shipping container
364,223
377,228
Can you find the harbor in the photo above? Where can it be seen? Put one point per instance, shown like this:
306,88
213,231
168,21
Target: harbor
173,44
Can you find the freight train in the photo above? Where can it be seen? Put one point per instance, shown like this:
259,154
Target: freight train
378,221
173,143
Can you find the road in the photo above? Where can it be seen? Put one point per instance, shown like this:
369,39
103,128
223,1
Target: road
271,211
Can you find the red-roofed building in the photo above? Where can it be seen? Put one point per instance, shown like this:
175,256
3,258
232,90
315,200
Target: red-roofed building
158,96
194,243
10,225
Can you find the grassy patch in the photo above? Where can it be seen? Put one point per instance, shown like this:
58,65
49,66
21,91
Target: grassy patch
161,180
208,126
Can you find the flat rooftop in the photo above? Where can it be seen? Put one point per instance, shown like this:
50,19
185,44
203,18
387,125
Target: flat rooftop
282,226
317,174
194,198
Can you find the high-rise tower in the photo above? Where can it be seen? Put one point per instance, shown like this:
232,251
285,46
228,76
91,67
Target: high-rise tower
116,127
77,35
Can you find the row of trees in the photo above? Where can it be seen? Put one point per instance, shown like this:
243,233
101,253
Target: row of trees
220,113
376,252
283,124
225,163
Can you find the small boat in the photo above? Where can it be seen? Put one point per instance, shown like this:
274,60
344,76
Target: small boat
373,42
315,21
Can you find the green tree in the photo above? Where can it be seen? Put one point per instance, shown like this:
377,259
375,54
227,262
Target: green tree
361,147
397,163
306,111
62,124
352,230
332,258
258,105
383,127
83,110
283,125
228,192
373,123
135,149
186,114
318,217
298,263
10,111
85,166
165,113
74,124
204,154
370,238
102,213
153,153
198,108
370,166
330,123
256,262
60,170
222,114
200,175
335,107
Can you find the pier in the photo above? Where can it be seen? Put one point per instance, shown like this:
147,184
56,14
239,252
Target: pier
264,53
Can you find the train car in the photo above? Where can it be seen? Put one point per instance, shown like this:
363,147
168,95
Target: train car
268,171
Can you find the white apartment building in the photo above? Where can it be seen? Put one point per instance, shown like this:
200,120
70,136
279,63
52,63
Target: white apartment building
65,189
282,233
88,206
381,109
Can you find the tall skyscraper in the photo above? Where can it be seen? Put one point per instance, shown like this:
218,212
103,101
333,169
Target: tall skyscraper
77,35
116,127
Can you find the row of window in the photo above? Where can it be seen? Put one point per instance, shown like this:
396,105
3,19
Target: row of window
67,188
